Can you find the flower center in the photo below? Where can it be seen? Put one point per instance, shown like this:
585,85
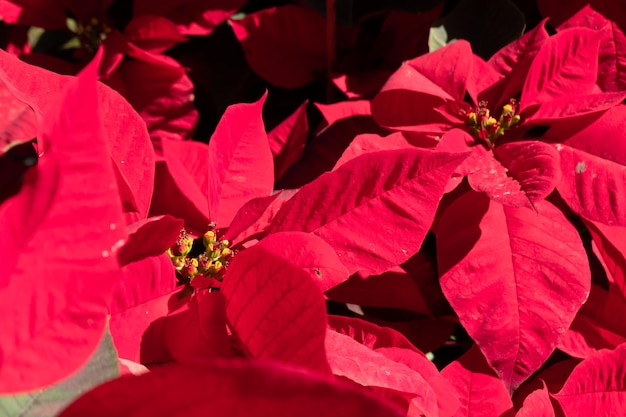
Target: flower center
210,263
487,128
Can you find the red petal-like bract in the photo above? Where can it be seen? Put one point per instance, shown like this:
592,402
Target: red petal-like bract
351,359
55,300
229,389
311,253
287,140
480,391
382,217
275,309
149,237
515,276
140,299
241,165
597,386
565,66
284,45
128,143
592,186
537,404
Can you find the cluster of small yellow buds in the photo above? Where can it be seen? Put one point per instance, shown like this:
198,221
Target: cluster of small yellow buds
487,128
211,263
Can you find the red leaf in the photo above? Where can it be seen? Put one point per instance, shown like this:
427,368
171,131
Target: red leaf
240,161
593,187
140,299
565,66
255,216
610,66
401,189
537,404
514,60
392,289
311,253
515,276
479,390
178,194
227,389
149,237
610,242
275,309
396,347
55,290
352,360
196,332
448,67
369,142
284,45
597,386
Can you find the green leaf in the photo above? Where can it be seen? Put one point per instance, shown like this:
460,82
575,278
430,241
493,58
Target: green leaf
48,402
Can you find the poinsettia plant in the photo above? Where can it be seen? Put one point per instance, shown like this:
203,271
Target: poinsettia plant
312,208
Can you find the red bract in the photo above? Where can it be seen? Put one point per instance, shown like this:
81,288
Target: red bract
515,276
390,192
479,389
228,389
214,181
275,308
596,386
60,235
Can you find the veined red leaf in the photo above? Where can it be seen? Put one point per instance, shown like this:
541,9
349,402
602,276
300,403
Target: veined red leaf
565,66
54,298
515,276
480,391
597,386
240,161
275,309
350,359
593,187
611,74
368,223
227,389
514,60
